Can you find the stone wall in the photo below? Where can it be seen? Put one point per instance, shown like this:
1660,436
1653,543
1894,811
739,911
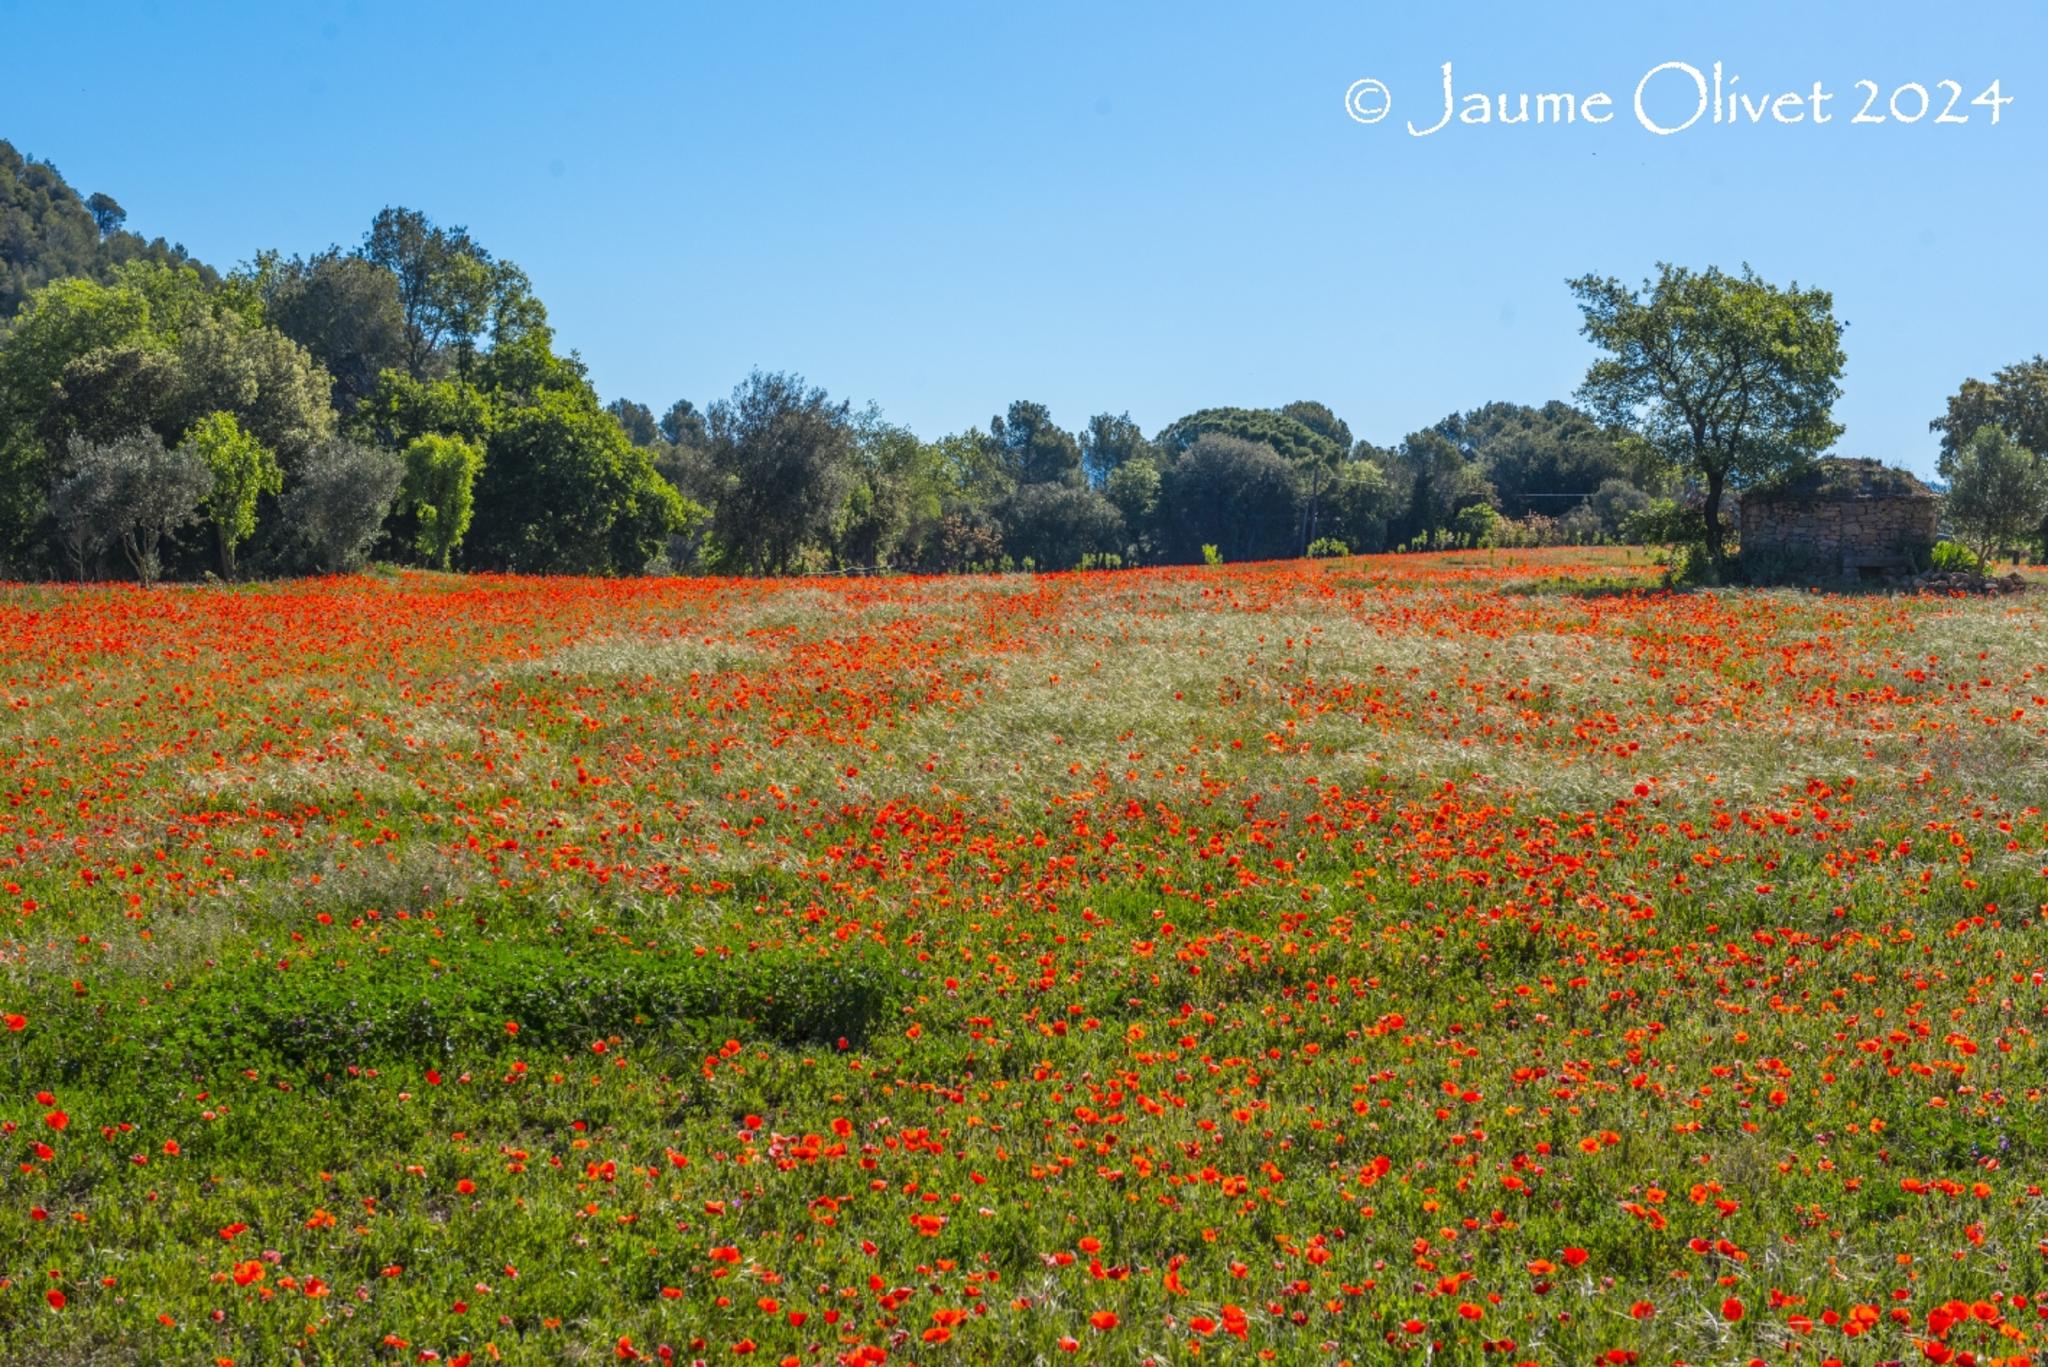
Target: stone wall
1847,536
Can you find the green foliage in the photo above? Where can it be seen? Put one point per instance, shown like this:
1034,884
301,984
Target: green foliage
1951,557
563,492
1532,457
1054,525
1029,448
335,501
243,469
1289,438
2015,399
1728,376
1666,522
1325,547
1998,492
1476,524
1238,495
438,493
1211,556
48,233
423,1002
784,450
129,491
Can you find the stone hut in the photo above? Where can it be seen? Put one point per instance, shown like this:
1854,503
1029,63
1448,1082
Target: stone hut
1854,519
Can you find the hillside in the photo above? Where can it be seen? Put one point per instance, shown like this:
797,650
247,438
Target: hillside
49,231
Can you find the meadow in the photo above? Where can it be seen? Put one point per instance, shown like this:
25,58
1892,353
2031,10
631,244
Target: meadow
1472,958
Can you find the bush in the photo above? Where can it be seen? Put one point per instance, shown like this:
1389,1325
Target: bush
1951,557
129,490
423,1002
1210,555
337,500
1327,546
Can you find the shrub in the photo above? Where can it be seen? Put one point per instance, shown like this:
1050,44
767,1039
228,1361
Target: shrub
425,1002
337,500
1951,557
129,490
1327,546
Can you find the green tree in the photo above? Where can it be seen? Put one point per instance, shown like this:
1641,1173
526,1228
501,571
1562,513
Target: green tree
1053,524
1727,376
1030,448
1237,495
1538,460
437,495
1431,480
335,502
636,419
1109,442
1998,492
48,233
448,286
344,310
1293,440
563,492
784,450
242,469
129,490
2016,399
684,426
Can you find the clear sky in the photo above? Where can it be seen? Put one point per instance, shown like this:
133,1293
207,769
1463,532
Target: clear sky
1099,206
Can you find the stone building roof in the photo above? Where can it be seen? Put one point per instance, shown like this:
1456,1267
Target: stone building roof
1837,479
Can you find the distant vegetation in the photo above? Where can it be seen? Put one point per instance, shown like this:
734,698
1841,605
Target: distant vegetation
403,400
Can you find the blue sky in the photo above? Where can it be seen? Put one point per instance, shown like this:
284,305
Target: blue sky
1143,207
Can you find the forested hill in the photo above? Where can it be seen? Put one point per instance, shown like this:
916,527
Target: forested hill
48,231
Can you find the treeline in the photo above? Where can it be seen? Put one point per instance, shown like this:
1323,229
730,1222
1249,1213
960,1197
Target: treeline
403,400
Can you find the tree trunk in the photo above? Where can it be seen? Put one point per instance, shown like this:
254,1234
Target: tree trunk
1712,511
227,555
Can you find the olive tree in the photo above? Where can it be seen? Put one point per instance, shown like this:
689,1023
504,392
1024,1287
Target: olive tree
337,500
1998,492
129,490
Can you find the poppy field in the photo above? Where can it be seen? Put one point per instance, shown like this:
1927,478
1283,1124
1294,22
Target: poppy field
1482,957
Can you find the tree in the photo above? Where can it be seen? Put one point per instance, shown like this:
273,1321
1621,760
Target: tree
344,310
438,494
563,492
1728,376
1359,503
277,392
242,469
1319,419
1998,492
1431,480
636,419
1108,443
1313,454
1237,495
1133,489
49,233
447,287
894,495
130,490
1538,460
1294,441
1054,524
336,502
783,449
2016,400
684,426
1030,448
